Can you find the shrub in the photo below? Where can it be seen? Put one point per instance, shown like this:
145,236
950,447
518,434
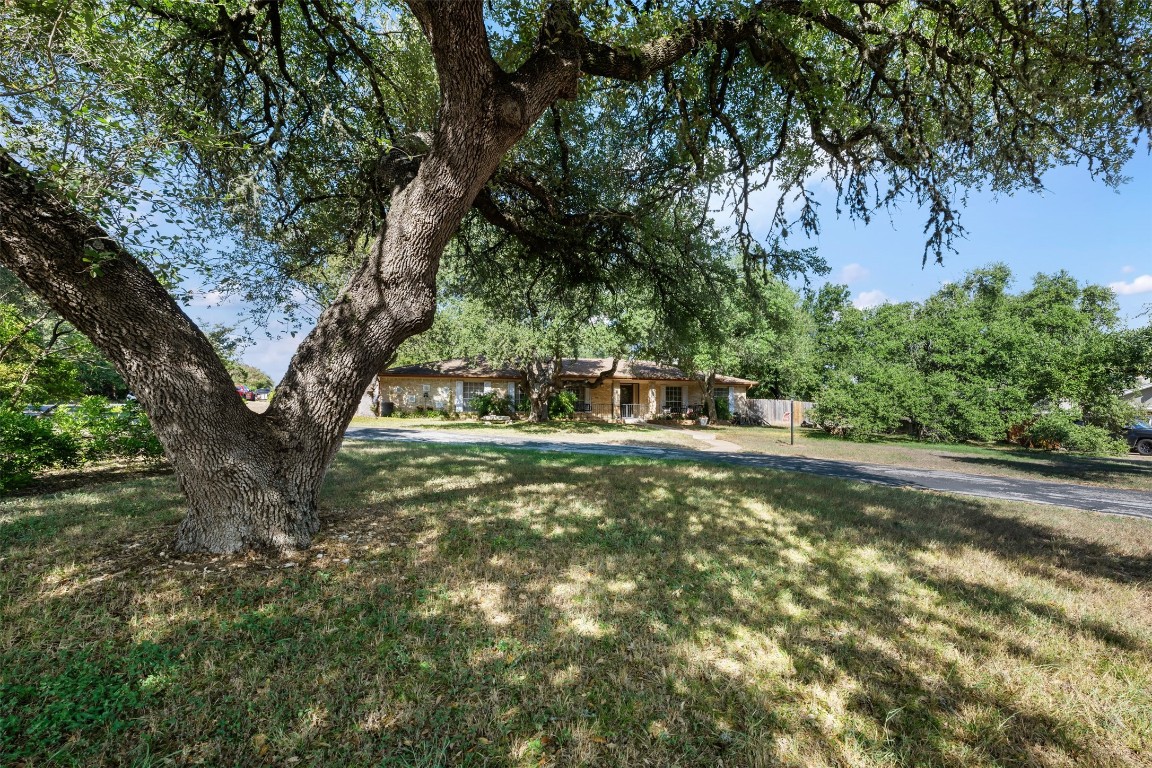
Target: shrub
1059,429
100,431
723,412
562,405
492,403
29,445
135,438
857,410
1111,413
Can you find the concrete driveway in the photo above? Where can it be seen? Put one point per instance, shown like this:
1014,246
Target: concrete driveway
1092,498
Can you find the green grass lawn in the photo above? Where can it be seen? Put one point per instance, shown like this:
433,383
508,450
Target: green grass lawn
1129,472
577,431
1114,472
524,427
500,608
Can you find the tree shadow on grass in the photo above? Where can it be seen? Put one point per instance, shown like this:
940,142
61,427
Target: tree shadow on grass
74,517
528,427
77,478
504,608
1085,469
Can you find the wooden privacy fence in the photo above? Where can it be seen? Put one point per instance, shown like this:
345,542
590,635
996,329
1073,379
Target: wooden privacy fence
773,411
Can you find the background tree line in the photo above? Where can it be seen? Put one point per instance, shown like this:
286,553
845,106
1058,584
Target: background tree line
975,361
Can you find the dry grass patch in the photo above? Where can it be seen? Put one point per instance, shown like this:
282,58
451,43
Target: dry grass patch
559,430
1113,472
484,607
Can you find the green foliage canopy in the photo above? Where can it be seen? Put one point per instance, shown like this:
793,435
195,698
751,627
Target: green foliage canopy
43,359
973,361
289,125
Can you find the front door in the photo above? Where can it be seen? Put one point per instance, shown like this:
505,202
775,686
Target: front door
627,400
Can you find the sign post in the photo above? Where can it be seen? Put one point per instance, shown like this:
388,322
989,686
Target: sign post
791,422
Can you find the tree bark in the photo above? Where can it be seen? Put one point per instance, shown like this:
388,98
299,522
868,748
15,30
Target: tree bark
708,384
244,485
542,379
540,412
252,480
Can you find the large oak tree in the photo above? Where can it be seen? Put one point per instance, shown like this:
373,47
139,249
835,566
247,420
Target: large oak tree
355,137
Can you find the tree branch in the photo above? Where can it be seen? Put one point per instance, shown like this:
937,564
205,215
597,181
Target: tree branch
460,50
107,294
603,376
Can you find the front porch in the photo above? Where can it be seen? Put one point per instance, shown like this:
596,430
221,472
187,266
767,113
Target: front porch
639,401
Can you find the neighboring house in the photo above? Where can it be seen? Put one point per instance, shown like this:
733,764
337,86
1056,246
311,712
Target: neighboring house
638,389
1141,396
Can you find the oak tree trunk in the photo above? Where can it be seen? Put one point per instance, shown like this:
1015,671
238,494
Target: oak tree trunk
542,378
709,387
252,480
539,409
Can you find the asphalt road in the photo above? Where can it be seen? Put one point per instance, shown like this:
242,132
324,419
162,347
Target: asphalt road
1092,498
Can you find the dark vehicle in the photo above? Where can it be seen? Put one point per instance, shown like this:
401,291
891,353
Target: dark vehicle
244,392
37,411
1139,438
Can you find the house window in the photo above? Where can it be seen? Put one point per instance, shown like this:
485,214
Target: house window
674,399
518,395
427,393
723,404
471,390
581,398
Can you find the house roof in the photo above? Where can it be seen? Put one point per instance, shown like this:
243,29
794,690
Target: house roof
457,368
591,367
573,368
1142,385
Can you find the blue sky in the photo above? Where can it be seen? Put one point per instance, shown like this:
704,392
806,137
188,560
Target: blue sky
1096,233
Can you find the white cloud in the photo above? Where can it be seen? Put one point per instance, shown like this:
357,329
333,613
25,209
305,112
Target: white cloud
1141,284
853,273
869,299
1127,270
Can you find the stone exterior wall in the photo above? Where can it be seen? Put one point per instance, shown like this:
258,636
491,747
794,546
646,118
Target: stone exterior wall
408,394
649,398
1142,398
444,394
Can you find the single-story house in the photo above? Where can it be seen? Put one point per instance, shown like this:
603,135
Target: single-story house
638,389
1141,396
